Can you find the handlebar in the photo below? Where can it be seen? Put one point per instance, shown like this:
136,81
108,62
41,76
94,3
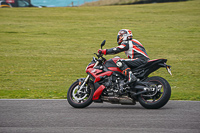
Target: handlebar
100,56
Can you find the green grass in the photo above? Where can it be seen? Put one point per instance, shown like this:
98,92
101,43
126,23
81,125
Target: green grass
44,50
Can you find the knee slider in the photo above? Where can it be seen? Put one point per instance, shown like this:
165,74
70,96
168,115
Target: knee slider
119,64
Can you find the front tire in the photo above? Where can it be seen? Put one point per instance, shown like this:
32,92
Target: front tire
158,98
80,99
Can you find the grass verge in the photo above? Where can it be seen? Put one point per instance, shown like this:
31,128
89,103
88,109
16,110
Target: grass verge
44,50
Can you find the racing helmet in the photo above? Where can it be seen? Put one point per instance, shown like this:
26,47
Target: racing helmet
124,35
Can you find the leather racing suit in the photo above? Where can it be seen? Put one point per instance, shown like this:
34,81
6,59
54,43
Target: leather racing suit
136,54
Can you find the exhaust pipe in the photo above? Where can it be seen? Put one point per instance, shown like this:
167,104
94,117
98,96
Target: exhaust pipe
124,100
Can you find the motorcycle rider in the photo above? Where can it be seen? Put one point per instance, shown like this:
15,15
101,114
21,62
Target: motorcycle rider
133,49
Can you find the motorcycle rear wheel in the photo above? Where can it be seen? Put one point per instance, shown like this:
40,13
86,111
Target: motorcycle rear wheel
161,95
80,99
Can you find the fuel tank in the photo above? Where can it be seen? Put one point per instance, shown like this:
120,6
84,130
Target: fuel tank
111,64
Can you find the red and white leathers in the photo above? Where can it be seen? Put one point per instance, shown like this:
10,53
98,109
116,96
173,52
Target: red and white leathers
136,53
132,48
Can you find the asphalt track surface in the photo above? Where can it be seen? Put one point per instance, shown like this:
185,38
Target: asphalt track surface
57,116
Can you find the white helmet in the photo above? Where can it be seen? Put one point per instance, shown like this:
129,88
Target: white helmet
123,35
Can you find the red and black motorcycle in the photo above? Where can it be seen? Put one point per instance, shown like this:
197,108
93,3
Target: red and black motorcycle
106,83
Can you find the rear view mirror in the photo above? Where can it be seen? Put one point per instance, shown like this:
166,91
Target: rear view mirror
103,43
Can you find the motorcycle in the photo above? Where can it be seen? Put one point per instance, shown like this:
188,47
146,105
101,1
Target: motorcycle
106,83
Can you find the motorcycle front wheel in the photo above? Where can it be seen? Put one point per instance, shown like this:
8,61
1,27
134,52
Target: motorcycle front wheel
158,96
80,98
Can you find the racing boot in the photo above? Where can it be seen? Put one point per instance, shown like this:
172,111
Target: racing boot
126,71
129,76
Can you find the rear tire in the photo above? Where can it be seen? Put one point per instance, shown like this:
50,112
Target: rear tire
80,99
160,98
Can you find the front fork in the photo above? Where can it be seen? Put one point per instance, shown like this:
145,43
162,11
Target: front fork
86,79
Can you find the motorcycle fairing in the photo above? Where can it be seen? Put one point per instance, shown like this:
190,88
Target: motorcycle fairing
115,69
91,64
111,64
98,92
98,74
